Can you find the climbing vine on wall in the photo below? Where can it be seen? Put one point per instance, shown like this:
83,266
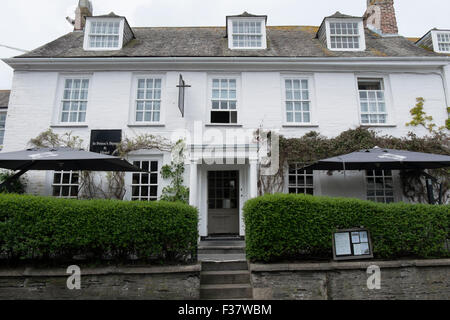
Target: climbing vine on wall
313,147
90,187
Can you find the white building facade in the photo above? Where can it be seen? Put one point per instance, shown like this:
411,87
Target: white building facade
292,80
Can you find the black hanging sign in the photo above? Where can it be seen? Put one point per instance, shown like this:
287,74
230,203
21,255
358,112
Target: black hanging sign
181,88
105,141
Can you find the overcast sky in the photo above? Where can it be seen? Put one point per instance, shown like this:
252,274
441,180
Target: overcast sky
28,24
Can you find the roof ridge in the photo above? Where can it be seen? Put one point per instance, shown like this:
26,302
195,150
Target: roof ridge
223,27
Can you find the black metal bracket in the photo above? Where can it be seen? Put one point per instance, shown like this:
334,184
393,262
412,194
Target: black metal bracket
7,184
429,182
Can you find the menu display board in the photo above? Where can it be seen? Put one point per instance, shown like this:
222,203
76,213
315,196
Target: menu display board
352,244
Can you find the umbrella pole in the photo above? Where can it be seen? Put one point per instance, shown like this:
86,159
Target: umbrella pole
429,182
7,184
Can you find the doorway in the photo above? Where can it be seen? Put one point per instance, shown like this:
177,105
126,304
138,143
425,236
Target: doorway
223,202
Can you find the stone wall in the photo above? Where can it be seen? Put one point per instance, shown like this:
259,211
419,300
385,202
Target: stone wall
400,280
154,283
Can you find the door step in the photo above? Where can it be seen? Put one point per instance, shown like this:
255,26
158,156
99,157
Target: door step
225,237
220,250
225,273
224,265
225,277
225,291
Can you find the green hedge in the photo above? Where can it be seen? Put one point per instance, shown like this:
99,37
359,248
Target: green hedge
43,227
290,227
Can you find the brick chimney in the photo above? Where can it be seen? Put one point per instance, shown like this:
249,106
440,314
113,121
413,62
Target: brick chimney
83,10
380,17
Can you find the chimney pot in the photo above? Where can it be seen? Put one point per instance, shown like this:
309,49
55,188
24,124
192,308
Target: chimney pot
380,15
83,10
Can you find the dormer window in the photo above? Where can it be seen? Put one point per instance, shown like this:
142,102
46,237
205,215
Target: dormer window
344,35
108,32
104,34
341,32
443,41
247,32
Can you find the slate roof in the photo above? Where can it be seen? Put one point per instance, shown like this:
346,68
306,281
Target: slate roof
4,98
284,41
339,15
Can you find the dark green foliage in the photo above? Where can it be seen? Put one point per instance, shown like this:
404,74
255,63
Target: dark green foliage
42,227
313,147
18,186
176,191
290,227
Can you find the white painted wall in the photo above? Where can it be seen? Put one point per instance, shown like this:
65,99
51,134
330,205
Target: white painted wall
34,104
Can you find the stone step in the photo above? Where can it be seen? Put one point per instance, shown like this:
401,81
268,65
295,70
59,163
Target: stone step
218,243
219,257
225,277
220,250
224,266
225,291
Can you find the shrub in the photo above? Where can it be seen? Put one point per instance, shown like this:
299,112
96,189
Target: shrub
291,227
41,227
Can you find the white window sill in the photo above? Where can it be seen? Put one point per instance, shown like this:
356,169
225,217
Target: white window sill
223,125
300,125
252,48
382,125
69,125
139,125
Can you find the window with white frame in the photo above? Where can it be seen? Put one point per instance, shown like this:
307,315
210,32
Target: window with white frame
148,100
144,185
2,127
104,34
298,103
300,180
345,35
74,101
66,184
380,187
247,34
372,101
443,40
224,101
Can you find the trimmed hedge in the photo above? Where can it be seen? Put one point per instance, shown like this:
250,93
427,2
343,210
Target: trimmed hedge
43,227
290,227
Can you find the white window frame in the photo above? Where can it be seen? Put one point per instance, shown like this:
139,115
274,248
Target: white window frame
361,35
210,99
297,186
134,97
434,36
383,176
149,184
247,19
60,97
310,81
69,185
2,140
385,90
87,33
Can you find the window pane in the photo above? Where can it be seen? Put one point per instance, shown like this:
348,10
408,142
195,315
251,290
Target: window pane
74,99
220,117
297,96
